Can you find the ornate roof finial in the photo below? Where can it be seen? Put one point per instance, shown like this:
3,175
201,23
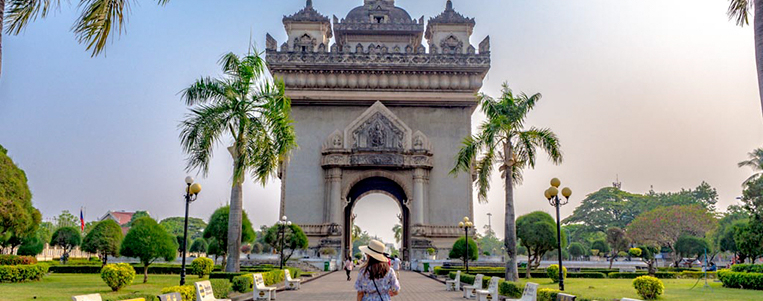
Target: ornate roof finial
309,3
449,5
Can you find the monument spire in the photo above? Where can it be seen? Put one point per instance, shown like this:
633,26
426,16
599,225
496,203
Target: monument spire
449,5
309,3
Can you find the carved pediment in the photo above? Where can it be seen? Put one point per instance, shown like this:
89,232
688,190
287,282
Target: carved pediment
378,129
334,141
451,45
421,142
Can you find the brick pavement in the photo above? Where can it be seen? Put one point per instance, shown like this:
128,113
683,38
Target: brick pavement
414,287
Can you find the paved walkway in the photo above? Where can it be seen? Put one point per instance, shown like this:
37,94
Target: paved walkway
415,287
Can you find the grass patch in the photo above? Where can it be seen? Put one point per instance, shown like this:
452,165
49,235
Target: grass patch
675,289
64,286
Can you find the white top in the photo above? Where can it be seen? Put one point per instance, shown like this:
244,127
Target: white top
396,264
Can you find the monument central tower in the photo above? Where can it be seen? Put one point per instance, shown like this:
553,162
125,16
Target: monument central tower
375,110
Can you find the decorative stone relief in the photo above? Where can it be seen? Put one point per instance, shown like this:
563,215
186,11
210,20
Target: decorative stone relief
305,43
421,142
485,45
378,129
451,45
334,141
377,159
270,42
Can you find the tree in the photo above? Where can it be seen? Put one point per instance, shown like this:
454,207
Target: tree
179,242
739,10
174,226
199,245
691,246
32,245
608,207
755,157
294,239
218,229
648,256
254,112
617,241
490,243
748,238
135,216
66,238
148,242
576,250
93,27
704,195
398,230
104,239
503,140
723,237
459,250
17,215
66,219
537,233
752,198
663,226
214,249
600,245
356,232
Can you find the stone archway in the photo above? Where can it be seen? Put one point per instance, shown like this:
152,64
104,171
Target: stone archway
383,185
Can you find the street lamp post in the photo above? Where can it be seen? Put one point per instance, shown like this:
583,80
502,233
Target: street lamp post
552,195
191,193
282,224
466,224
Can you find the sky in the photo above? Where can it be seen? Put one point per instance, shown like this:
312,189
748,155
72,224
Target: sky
654,93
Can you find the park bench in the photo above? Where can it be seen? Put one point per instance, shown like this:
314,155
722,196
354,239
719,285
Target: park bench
529,294
291,284
262,292
627,269
204,292
455,284
573,270
91,297
170,297
477,285
565,297
491,293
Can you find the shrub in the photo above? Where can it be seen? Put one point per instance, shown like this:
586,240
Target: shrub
459,249
188,292
202,266
747,268
227,275
510,289
661,275
243,284
431,251
553,272
548,294
648,287
696,275
741,280
129,296
117,275
20,273
635,252
17,260
221,288
598,275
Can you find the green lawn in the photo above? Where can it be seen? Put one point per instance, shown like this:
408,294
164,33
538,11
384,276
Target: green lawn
675,289
64,286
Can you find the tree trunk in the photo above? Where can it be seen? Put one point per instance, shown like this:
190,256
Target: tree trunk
757,25
510,229
145,272
235,218
611,261
2,11
529,265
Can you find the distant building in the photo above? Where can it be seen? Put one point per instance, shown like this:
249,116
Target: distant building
121,217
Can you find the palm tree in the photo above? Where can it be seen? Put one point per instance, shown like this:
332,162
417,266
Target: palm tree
503,140
739,10
398,229
93,27
755,163
254,113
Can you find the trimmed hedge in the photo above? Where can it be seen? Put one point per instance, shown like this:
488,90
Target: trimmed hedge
21,273
221,288
187,292
147,297
510,289
226,275
17,260
547,294
741,280
243,283
696,275
660,275
597,275
747,268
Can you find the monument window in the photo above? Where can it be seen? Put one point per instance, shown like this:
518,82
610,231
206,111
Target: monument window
379,19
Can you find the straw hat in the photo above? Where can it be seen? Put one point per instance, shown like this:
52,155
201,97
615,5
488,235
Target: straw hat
375,249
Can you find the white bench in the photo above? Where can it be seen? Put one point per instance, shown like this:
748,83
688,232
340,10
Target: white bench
91,297
477,285
260,291
491,293
291,284
529,294
628,270
170,297
455,284
565,297
204,292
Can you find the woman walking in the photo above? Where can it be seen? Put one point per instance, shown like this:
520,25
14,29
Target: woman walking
376,280
348,267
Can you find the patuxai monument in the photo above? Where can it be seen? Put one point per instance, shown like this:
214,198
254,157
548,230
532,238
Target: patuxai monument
383,109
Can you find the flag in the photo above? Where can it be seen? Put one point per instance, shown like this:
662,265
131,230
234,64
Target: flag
81,220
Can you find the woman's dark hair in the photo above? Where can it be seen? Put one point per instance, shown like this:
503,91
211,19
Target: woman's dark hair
376,269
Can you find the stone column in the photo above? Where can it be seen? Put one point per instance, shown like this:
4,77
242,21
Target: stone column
417,216
335,197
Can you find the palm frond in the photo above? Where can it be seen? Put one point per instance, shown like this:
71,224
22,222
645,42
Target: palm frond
20,12
207,89
484,168
739,11
201,131
543,138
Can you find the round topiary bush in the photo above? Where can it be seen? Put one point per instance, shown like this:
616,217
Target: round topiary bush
117,275
553,272
202,266
635,252
648,287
